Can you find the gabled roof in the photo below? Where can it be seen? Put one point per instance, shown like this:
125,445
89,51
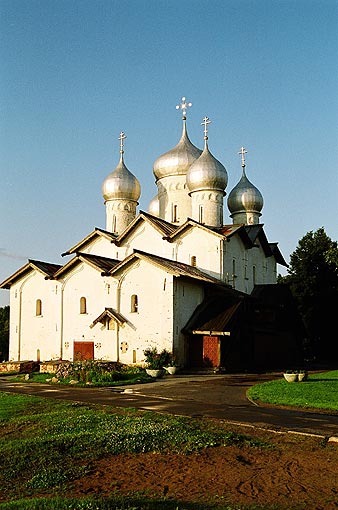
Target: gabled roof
278,255
45,268
225,231
171,266
96,233
99,263
109,313
162,226
214,316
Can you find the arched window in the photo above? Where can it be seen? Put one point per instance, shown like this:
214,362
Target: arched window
83,305
134,303
38,307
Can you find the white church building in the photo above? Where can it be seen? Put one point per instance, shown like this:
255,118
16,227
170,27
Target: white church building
174,277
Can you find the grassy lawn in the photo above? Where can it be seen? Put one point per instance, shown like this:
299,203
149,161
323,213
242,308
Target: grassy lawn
46,444
319,391
117,503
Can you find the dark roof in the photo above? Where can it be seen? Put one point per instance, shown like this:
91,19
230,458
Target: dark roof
215,313
46,268
176,268
109,313
162,226
278,255
103,264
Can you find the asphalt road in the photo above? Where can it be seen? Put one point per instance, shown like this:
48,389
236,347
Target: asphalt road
215,396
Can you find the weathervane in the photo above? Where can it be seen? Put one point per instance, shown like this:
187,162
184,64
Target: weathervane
183,106
122,137
205,123
242,152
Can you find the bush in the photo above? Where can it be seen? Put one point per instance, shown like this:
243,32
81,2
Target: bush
90,371
157,360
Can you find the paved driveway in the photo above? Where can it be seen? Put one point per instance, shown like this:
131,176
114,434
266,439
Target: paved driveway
216,396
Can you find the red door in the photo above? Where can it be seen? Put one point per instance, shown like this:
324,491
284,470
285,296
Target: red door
83,350
211,351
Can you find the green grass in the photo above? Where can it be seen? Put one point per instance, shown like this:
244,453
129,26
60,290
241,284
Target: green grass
119,503
319,391
47,444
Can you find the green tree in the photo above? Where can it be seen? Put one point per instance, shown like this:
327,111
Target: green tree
313,280
4,333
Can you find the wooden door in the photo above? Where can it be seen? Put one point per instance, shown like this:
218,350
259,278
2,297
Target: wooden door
83,350
211,351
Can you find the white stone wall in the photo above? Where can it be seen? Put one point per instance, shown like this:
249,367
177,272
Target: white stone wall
187,296
243,268
173,191
119,214
152,324
207,207
205,246
85,281
31,335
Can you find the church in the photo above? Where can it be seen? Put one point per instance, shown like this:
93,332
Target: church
174,277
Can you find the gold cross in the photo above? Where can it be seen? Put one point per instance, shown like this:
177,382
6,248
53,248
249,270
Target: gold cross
183,106
205,123
242,152
121,138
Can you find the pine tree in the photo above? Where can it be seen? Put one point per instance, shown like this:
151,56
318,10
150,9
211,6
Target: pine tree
313,280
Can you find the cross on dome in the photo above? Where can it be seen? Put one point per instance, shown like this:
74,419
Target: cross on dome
122,137
205,123
242,152
183,106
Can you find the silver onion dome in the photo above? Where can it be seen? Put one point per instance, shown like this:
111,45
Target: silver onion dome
245,197
154,206
121,183
207,173
178,160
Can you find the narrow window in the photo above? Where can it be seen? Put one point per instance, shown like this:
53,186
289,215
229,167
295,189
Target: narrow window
254,275
38,307
201,214
233,272
175,213
134,356
83,305
193,260
134,303
114,224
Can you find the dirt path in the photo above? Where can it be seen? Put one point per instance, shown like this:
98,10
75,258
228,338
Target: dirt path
297,472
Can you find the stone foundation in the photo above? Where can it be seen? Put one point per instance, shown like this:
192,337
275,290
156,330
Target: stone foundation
51,367
19,366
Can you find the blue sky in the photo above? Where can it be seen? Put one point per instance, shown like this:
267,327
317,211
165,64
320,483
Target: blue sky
74,73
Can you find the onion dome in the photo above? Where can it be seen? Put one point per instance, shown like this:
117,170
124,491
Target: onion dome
121,183
154,206
178,160
245,197
207,173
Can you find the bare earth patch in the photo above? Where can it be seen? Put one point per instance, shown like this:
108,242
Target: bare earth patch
296,473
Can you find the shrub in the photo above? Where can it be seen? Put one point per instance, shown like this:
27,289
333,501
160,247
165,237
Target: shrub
157,360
